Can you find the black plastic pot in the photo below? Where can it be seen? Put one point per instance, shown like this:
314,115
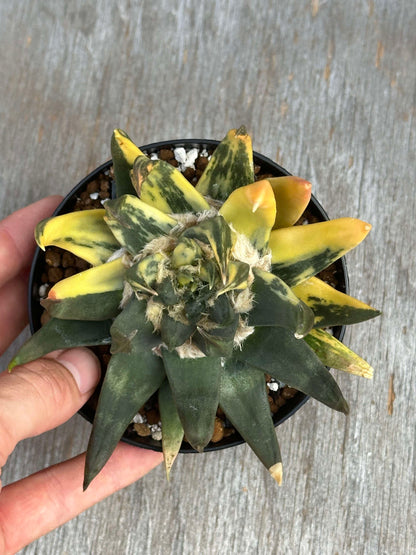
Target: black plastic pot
267,167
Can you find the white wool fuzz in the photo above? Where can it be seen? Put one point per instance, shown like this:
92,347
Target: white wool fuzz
154,313
189,350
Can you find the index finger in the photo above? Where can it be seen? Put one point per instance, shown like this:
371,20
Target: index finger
17,243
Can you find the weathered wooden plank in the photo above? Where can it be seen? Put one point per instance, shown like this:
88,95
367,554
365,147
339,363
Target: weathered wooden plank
328,89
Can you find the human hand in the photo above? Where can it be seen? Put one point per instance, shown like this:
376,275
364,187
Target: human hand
41,395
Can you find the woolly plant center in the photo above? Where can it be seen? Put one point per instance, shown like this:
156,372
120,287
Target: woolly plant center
197,284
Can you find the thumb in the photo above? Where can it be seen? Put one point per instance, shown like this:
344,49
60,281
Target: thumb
40,395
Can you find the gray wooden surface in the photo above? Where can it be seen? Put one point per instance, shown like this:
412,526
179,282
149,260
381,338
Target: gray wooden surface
329,89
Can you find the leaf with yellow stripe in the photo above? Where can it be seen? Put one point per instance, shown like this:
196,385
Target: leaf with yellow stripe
292,196
332,307
230,166
123,152
336,355
251,210
216,233
236,278
162,186
84,233
134,223
300,252
186,253
143,274
91,295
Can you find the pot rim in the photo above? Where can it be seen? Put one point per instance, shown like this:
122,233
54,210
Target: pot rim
292,405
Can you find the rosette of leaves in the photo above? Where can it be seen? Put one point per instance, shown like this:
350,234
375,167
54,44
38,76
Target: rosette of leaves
201,291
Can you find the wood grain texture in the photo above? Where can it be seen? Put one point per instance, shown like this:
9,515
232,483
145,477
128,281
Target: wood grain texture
327,88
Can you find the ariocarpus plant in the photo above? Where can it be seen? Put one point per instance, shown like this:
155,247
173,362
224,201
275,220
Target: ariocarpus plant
201,291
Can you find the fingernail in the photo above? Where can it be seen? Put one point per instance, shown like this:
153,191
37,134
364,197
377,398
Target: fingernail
83,365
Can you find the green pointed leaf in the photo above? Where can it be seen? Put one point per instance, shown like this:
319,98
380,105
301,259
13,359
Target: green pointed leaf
216,233
251,210
94,294
243,398
230,166
275,351
134,223
335,354
302,251
166,292
123,152
172,431
130,380
62,334
222,311
173,332
83,233
194,383
218,342
162,186
217,338
276,305
332,307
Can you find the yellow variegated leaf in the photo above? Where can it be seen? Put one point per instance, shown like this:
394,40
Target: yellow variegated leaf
128,149
230,166
300,252
332,307
292,196
83,233
135,223
107,277
186,252
251,210
216,233
91,295
123,152
143,274
237,276
162,186
335,354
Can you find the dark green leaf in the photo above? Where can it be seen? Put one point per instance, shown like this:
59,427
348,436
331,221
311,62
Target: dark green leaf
275,351
195,384
243,397
130,380
62,334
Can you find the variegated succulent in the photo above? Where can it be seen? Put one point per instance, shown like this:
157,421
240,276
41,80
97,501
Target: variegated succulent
201,291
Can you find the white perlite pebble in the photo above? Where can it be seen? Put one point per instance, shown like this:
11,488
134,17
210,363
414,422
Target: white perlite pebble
273,386
185,158
157,436
42,289
139,419
154,156
94,196
156,430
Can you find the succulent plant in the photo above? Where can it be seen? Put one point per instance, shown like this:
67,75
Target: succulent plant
201,291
